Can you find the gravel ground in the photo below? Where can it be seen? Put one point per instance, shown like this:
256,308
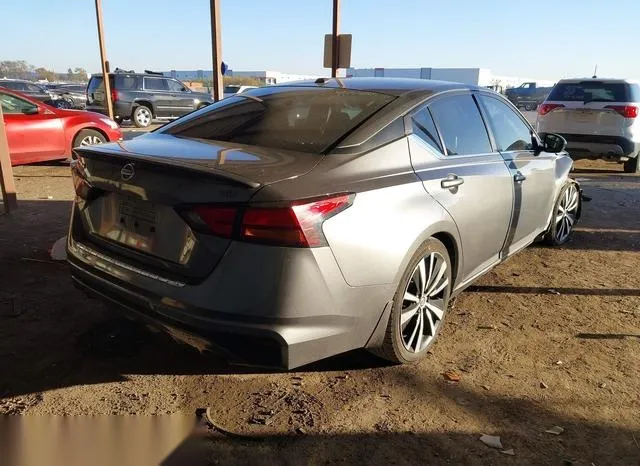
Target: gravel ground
549,338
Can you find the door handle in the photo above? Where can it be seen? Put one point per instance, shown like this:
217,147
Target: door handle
519,177
452,181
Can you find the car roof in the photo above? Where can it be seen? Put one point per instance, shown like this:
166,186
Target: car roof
599,80
392,86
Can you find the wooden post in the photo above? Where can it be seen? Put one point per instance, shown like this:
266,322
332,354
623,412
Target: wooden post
7,184
335,49
216,49
103,60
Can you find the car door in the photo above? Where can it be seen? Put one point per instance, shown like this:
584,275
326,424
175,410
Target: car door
452,154
34,133
533,172
182,96
157,87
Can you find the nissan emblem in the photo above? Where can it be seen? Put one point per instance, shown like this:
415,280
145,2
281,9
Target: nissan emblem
127,172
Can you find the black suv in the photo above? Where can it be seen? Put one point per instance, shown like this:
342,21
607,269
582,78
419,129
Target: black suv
142,97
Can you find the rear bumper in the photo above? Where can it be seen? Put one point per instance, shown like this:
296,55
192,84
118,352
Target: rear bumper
264,306
595,146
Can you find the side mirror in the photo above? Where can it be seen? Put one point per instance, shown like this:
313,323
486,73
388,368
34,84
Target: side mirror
184,89
553,143
31,110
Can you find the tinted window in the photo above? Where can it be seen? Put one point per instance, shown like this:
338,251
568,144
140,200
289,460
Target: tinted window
94,83
125,83
509,131
175,86
11,104
155,84
593,91
34,88
231,89
295,118
424,127
15,85
460,125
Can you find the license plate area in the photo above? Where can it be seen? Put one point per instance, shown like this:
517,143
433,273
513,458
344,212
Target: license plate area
137,223
584,116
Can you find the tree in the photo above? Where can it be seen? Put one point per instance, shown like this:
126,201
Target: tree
79,74
43,73
18,69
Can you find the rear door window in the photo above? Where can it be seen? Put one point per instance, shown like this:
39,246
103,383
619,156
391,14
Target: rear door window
14,85
125,83
592,91
461,125
306,119
175,86
425,129
155,84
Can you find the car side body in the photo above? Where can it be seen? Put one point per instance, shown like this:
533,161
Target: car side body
37,132
401,182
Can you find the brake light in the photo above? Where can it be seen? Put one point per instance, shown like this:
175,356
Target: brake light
114,95
627,111
546,108
298,224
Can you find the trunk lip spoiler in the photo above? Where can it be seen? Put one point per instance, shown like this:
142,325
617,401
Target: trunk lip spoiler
95,152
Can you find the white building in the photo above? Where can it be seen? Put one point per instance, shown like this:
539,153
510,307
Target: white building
473,76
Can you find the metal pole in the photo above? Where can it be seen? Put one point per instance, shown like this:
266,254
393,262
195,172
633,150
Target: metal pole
335,53
103,60
216,49
6,172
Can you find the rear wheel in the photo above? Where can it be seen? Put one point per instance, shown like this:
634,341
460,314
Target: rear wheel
419,305
565,215
142,116
632,165
529,107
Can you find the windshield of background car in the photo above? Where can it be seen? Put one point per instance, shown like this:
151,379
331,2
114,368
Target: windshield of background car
292,118
594,91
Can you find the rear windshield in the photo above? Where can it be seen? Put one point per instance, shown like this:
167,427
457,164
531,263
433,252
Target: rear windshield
593,91
292,118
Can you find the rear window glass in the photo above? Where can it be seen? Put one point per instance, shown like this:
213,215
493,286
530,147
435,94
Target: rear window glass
593,91
122,83
291,118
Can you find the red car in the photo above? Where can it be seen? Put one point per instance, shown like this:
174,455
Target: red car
38,132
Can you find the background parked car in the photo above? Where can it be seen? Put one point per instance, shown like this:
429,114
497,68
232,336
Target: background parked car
598,118
38,132
315,218
233,89
142,97
34,90
527,95
74,94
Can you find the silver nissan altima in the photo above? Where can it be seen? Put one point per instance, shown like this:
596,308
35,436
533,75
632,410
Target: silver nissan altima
290,223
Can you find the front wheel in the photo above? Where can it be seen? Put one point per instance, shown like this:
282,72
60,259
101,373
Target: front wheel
565,215
419,305
632,165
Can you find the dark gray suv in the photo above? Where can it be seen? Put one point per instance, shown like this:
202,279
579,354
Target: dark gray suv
142,97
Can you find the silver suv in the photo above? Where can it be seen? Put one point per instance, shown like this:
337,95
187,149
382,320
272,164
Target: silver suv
597,117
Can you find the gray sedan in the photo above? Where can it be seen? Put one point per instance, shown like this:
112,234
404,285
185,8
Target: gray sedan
291,223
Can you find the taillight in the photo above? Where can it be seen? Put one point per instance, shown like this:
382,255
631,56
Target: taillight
627,111
546,108
114,95
298,224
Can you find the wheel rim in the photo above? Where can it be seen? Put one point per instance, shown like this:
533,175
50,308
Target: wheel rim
144,117
566,214
423,304
90,140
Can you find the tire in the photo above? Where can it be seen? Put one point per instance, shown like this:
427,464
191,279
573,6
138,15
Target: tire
408,342
88,137
632,165
142,116
118,120
529,107
566,210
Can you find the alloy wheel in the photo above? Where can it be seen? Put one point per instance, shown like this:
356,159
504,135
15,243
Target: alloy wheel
143,116
423,304
567,213
90,140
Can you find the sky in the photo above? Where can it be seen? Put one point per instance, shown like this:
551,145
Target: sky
542,39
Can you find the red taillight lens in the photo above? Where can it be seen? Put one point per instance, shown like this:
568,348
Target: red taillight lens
299,225
217,220
114,95
546,108
627,111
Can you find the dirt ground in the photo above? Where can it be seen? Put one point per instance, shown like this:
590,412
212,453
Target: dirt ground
549,338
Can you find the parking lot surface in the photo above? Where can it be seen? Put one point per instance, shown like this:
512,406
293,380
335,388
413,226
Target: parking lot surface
549,338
